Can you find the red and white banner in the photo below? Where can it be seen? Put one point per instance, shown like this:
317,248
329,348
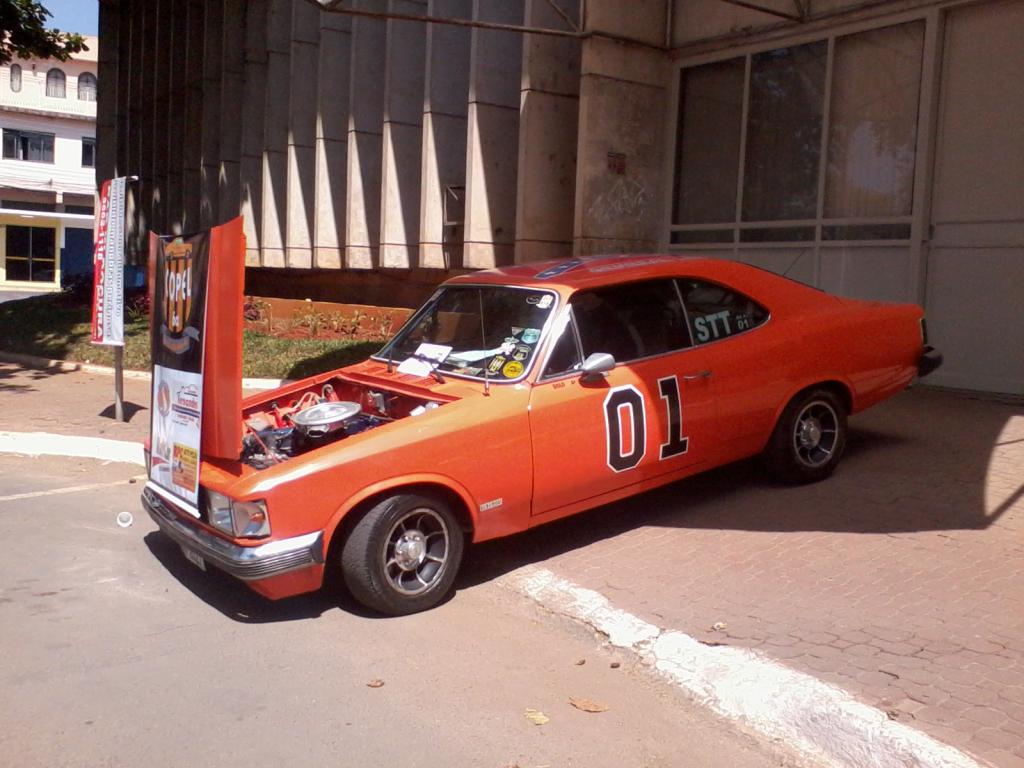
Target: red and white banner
108,266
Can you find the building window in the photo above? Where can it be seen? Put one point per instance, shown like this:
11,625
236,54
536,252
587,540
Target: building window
16,78
770,149
55,83
88,152
28,145
31,254
87,87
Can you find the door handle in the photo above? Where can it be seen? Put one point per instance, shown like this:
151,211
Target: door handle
706,374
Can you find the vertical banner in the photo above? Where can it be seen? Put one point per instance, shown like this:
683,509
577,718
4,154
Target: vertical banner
108,266
179,289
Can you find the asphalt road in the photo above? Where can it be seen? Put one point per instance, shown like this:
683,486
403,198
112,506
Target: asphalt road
118,652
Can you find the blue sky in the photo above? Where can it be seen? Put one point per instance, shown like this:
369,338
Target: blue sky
73,15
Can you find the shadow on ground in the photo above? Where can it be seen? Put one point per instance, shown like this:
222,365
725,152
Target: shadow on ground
130,409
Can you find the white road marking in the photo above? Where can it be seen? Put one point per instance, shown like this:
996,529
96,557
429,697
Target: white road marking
47,444
59,491
820,721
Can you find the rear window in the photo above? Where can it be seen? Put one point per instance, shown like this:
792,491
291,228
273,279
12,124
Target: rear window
716,312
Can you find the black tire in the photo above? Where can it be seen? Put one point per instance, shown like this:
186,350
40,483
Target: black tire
403,554
809,439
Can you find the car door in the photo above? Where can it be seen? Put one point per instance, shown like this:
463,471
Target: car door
650,417
749,360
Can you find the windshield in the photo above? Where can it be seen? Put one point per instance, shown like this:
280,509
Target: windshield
470,330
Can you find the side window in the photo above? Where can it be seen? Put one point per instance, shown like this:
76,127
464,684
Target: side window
716,312
631,321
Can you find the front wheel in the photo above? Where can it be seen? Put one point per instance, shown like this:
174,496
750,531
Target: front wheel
809,438
403,555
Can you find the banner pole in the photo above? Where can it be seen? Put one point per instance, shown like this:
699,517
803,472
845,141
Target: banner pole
119,383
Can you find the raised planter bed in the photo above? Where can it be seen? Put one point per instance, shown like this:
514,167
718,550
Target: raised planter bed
305,319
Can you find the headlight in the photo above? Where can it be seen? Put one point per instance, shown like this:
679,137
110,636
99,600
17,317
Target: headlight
250,518
244,519
218,510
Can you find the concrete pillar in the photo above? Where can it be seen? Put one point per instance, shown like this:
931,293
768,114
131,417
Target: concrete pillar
174,121
402,137
446,92
275,136
366,119
231,105
110,26
302,119
212,73
493,136
332,139
622,164
135,212
192,138
155,136
252,129
548,130
149,86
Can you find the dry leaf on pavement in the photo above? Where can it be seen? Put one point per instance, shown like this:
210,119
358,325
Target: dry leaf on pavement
587,705
375,683
536,717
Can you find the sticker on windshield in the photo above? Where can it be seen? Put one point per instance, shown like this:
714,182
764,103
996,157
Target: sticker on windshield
522,352
512,369
530,335
495,365
545,301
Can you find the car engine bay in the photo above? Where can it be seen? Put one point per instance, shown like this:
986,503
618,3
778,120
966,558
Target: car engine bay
282,428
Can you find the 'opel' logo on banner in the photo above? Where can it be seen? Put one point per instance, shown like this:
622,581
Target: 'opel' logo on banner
178,288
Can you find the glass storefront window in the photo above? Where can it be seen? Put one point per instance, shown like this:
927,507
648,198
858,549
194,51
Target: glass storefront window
710,116
787,95
869,111
873,126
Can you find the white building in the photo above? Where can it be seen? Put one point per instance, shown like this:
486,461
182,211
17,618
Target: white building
47,169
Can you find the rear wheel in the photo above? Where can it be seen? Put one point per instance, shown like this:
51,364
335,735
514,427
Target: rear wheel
809,438
403,555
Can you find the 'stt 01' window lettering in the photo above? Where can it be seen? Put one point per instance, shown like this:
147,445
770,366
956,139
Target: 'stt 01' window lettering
624,407
625,400
677,443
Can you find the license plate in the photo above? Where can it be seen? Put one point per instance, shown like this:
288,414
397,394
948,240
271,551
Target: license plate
194,558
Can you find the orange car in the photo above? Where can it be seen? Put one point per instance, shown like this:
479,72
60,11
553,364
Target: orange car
518,396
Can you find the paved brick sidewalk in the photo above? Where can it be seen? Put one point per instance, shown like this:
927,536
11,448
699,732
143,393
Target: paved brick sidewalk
897,579
71,403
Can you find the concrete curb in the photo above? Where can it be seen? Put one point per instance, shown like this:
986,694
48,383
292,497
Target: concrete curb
819,721
44,363
48,444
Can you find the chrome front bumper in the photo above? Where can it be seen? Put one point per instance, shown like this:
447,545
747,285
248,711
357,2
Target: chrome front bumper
246,563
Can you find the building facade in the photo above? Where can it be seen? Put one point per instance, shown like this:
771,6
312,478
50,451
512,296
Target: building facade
872,149
47,170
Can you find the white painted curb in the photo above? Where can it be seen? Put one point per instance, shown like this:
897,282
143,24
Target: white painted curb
818,720
48,444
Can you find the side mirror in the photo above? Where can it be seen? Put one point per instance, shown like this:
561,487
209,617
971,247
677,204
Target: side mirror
597,365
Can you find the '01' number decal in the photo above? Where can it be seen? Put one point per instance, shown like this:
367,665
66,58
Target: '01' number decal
627,401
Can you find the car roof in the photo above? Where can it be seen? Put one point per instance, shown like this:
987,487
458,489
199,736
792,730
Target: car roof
596,271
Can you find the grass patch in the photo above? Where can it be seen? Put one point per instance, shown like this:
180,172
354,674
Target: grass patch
58,327
274,358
